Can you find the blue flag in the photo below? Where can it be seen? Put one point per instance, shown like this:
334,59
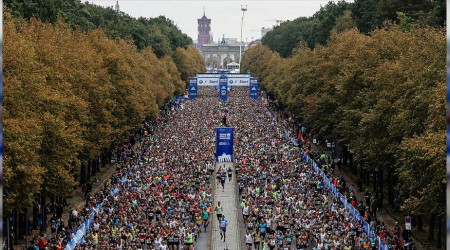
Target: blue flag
224,144
193,87
254,87
223,90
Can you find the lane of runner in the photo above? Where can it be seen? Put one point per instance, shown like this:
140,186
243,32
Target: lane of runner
166,194
284,202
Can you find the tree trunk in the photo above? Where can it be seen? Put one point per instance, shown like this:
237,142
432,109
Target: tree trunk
431,230
16,226
108,159
83,173
375,181
419,223
22,224
439,239
352,165
390,187
44,211
94,167
380,185
344,156
35,214
103,158
89,170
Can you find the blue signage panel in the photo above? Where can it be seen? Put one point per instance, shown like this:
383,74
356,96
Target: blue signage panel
254,87
193,88
224,144
223,89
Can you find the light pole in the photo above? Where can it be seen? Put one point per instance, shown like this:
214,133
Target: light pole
243,9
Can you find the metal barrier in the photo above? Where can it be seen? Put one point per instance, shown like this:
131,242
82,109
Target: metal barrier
353,212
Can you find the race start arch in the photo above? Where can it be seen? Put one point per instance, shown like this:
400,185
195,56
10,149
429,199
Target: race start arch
224,79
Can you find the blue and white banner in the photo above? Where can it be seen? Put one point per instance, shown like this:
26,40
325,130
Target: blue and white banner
208,81
223,90
219,74
193,88
213,79
224,144
241,81
254,87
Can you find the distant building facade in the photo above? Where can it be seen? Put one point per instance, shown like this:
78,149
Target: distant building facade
116,7
216,55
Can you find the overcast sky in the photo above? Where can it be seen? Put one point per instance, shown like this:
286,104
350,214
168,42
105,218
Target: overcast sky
225,15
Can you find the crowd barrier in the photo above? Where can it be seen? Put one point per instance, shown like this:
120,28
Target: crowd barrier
353,211
87,224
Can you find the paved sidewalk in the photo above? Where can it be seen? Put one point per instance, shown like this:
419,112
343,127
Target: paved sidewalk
228,200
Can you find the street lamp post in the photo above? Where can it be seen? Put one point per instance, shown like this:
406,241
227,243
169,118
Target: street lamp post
243,9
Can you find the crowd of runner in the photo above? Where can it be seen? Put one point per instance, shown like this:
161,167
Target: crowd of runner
161,195
285,204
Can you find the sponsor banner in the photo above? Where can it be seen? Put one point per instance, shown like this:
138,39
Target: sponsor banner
223,90
227,75
224,144
193,88
214,81
208,81
254,88
239,81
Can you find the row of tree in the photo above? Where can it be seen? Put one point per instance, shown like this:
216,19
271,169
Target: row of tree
70,95
160,33
367,15
380,95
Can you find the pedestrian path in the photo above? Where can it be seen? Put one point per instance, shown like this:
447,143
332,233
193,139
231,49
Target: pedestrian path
228,200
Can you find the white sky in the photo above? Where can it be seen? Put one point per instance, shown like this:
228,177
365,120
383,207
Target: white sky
225,15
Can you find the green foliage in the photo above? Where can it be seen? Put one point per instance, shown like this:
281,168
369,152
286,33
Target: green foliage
160,33
381,95
405,22
312,30
366,15
69,95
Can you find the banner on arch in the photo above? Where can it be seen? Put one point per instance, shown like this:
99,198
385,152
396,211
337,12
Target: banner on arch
193,88
223,89
254,87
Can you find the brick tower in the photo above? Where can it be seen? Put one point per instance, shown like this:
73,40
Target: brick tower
204,29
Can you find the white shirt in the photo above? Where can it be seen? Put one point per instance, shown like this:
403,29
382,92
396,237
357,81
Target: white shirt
248,238
245,210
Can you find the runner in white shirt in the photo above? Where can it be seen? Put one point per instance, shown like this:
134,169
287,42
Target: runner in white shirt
248,240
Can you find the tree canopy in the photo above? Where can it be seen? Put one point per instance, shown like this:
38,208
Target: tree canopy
160,33
380,94
69,94
366,15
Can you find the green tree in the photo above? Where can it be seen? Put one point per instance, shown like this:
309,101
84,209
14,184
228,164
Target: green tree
366,14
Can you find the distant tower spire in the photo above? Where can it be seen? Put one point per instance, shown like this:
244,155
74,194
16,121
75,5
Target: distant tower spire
204,13
116,8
